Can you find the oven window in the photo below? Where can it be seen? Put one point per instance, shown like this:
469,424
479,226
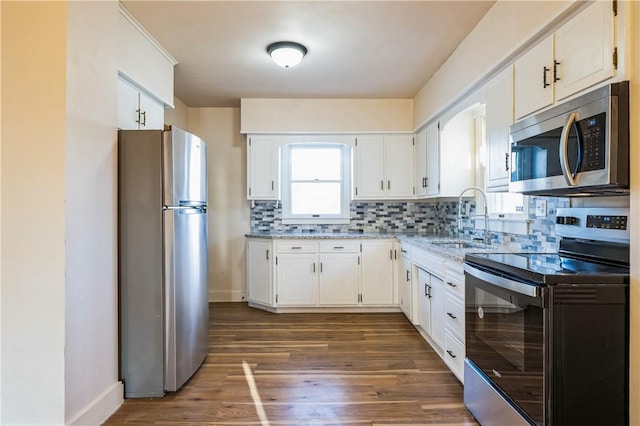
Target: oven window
504,338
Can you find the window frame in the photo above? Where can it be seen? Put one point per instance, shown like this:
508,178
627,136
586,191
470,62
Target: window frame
289,218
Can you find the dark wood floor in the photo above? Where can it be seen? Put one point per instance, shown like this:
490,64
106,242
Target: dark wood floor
309,369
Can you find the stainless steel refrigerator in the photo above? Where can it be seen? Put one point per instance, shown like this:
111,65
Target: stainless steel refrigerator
162,225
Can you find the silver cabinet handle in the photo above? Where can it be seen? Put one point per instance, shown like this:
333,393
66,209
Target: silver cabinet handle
320,266
451,354
388,184
267,254
338,247
451,315
407,276
144,118
296,248
382,184
426,293
391,254
506,161
555,71
314,267
138,116
449,283
272,185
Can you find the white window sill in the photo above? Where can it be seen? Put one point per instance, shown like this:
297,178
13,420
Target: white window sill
319,221
505,225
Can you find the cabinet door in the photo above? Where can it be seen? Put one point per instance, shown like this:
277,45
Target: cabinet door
437,310
433,159
399,166
499,116
338,279
420,164
151,113
297,279
584,50
377,272
128,100
424,301
369,167
405,282
533,79
263,167
259,284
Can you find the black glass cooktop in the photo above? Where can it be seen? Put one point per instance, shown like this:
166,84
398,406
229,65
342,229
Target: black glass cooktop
549,268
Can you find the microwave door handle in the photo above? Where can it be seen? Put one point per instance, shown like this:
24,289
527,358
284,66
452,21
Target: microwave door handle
564,154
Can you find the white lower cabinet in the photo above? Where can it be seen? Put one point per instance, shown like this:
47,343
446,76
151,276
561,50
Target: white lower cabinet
297,279
318,273
339,278
378,272
439,290
454,355
259,271
405,282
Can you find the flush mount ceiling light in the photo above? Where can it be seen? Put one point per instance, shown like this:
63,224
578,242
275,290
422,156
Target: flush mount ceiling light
287,54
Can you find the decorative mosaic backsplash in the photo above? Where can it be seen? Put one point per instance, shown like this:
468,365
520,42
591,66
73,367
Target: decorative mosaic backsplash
419,217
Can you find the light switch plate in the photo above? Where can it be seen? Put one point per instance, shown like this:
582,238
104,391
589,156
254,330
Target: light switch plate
541,208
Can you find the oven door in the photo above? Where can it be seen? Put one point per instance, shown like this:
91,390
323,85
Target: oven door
504,322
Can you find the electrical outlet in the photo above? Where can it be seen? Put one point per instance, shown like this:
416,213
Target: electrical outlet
541,208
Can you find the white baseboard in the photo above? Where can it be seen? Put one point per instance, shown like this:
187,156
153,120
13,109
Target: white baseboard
227,296
99,410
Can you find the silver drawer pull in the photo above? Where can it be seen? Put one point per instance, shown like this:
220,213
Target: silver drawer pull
296,248
451,315
451,354
338,247
451,284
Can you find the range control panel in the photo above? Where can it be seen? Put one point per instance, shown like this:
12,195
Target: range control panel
594,223
607,222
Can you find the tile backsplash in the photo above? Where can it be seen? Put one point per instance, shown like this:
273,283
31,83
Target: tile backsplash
419,217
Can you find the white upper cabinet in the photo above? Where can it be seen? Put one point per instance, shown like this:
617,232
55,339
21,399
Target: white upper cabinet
578,55
143,60
584,50
499,116
420,163
263,168
383,167
137,110
533,78
432,180
457,159
369,167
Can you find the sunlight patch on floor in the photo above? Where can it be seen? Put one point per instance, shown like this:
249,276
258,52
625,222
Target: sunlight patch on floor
255,395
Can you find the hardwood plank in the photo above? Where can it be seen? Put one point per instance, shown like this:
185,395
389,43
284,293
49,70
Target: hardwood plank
309,369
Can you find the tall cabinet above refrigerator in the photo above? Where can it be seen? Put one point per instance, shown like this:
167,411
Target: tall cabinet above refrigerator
163,295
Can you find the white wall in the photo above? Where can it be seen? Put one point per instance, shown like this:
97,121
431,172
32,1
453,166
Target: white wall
496,38
177,116
33,215
0,222
92,389
326,115
228,207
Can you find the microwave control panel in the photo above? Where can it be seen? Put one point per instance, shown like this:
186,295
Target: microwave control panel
593,131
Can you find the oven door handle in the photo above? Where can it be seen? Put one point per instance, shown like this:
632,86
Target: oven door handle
507,284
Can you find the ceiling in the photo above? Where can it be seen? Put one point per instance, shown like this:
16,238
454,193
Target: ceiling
356,49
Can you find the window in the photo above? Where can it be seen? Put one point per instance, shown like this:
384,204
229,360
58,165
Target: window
316,183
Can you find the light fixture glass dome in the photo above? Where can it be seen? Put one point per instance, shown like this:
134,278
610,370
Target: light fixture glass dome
287,54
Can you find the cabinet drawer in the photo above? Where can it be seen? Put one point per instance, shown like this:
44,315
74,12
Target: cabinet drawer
454,315
298,246
454,355
454,278
336,246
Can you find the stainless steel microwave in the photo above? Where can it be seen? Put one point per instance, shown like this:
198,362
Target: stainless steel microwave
579,147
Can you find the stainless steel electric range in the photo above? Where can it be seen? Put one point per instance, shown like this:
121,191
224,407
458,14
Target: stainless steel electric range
547,334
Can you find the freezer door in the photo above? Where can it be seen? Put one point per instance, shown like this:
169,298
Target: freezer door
186,294
185,168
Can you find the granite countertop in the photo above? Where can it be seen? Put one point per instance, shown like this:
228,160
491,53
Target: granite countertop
443,245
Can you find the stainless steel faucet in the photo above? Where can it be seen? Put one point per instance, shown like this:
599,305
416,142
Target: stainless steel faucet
487,235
